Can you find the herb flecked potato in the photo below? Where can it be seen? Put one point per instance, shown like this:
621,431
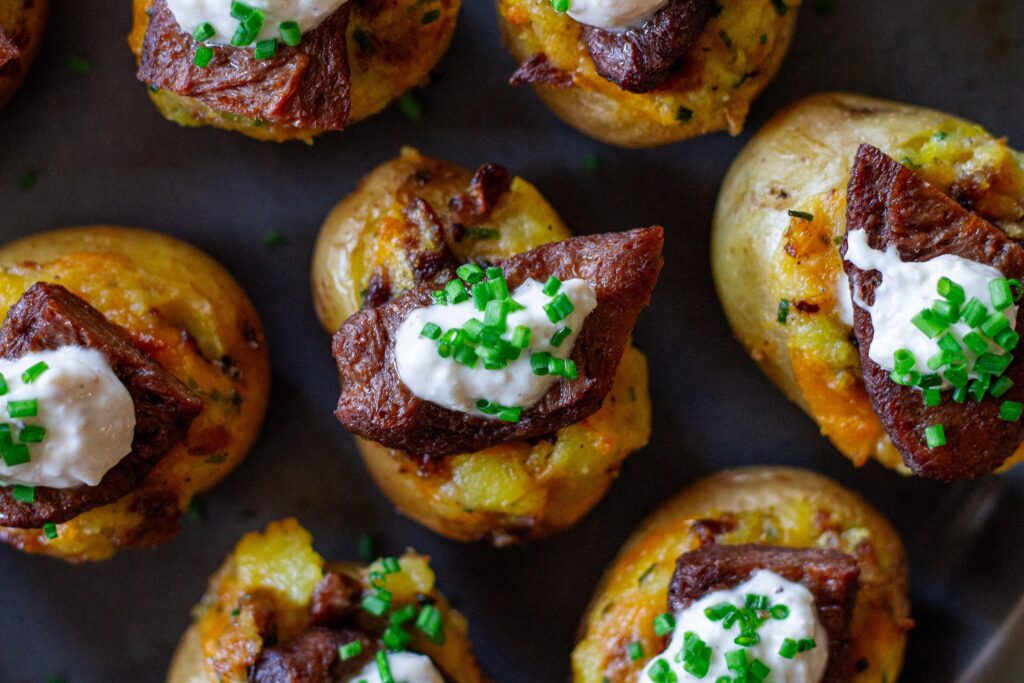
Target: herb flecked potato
732,61
265,590
186,312
762,505
781,217
391,49
515,491
22,21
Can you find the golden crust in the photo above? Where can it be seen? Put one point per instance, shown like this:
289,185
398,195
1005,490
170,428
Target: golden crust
192,317
767,505
761,255
25,22
717,87
404,51
512,492
277,570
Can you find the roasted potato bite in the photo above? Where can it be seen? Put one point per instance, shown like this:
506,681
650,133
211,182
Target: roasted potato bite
277,612
743,525
184,339
282,85
782,219
389,237
21,31
685,68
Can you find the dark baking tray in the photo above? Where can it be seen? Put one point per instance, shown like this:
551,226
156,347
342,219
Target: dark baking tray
103,155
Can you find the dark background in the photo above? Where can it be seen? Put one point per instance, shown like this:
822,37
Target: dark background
104,155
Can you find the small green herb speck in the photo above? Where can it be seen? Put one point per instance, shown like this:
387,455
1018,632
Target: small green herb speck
79,65
411,107
783,314
28,179
273,238
430,17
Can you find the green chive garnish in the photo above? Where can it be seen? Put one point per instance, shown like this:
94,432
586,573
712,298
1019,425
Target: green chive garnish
391,565
935,436
203,56
805,644
559,308
635,651
470,272
14,454
431,623
26,408
992,364
350,650
290,33
929,323
50,529
3,385
783,313
377,604
802,215
951,291
719,611
1010,411
203,32
932,397
1007,340
401,616
779,612
265,49
1000,386
974,312
945,311
521,337
395,638
664,623
383,668
994,324
456,292
24,494
539,363
431,331
560,6
999,292
32,434
33,373
552,286
903,361
511,414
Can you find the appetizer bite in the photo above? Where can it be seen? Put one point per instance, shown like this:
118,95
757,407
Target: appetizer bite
133,375
285,69
758,574
866,255
640,73
276,612
489,375
21,31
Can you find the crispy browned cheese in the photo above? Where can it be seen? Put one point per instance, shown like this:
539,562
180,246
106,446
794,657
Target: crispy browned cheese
8,49
831,577
641,58
306,86
537,70
375,404
897,208
48,316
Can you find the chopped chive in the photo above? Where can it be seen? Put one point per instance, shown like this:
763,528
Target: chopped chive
932,397
32,434
754,601
994,324
391,565
350,650
903,361
1010,411
1016,288
951,291
377,580
482,293
203,32
456,292
552,286
719,611
976,343
948,342
945,311
936,361
395,638
377,604
788,649
494,272
930,380
907,379
366,547
473,328
757,671
240,10
635,650
24,494
664,624
431,623
1000,386
290,33
401,616
779,612
50,529
430,17
431,331
383,668
747,639
991,363
203,56
482,234
1007,340
411,107
592,163
736,660
999,292
470,272
934,436
559,336
570,372
802,215
978,387
33,373
499,287
465,355
974,312
960,393
559,308
26,408
3,385
805,644
783,312
510,414
439,297
560,6
539,363
487,407
265,49
929,323
521,336
495,314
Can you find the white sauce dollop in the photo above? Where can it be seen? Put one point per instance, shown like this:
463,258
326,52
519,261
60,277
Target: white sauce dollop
308,13
407,667
457,387
802,622
87,412
908,287
614,14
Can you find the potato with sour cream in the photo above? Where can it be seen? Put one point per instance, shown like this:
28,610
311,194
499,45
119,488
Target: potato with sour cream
515,491
276,584
781,218
778,509
187,313
736,54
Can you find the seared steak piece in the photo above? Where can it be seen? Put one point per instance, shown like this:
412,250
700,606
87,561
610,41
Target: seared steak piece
375,404
8,49
311,657
641,58
47,317
305,86
898,208
831,576
537,70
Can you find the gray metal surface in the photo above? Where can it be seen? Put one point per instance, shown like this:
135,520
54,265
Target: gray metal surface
103,155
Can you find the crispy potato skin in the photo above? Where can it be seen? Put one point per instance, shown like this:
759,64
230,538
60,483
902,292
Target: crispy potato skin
405,50
24,21
187,312
801,161
511,492
768,505
278,569
717,86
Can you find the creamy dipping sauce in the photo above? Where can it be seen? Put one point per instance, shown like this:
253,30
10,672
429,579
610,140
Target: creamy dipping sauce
801,623
613,14
88,415
909,287
455,386
407,667
309,14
